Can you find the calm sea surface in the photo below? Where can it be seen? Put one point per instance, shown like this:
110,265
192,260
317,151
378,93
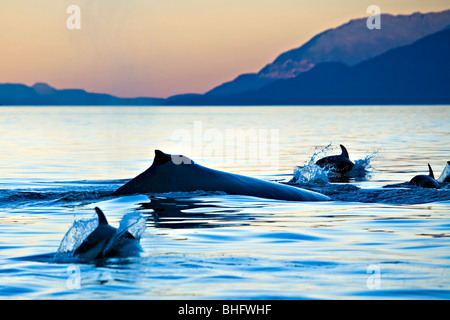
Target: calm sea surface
370,242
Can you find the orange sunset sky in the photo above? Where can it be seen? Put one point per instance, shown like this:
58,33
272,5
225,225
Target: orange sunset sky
161,48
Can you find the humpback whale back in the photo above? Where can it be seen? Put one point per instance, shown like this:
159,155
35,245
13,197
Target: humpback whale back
170,173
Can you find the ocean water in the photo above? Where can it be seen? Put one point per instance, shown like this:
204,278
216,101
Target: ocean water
369,242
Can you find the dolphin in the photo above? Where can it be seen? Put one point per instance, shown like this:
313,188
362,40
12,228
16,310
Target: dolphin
106,242
339,164
175,173
445,175
425,181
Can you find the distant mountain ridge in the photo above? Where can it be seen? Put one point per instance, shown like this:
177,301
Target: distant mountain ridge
353,42
349,43
418,73
406,62
45,95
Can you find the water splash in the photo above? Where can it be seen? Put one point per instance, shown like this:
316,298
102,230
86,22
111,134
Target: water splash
77,233
134,223
363,169
311,173
445,175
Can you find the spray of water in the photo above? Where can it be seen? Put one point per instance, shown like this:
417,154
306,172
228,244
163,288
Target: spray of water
134,223
363,169
310,173
75,236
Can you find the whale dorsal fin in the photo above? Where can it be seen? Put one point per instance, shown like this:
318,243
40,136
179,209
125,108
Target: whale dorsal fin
344,152
161,158
101,217
431,174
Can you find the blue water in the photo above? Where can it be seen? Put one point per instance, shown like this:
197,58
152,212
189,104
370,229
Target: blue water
370,242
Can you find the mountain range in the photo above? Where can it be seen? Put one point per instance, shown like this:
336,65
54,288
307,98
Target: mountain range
41,94
404,62
418,73
349,43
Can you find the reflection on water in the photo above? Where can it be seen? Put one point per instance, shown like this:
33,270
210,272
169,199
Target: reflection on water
202,212
265,249
57,164
85,143
188,213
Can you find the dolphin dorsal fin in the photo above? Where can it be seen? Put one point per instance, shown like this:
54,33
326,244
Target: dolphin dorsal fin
431,174
344,152
161,157
101,216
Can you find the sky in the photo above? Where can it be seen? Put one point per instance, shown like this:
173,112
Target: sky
161,48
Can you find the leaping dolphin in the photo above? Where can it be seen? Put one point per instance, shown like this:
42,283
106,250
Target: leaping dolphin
106,241
425,181
173,173
338,164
